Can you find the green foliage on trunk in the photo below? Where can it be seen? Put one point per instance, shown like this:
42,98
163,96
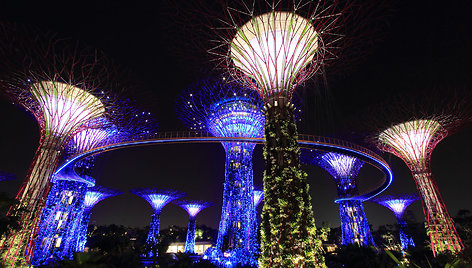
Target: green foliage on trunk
288,232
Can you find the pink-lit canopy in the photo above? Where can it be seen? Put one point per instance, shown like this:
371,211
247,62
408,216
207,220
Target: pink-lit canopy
412,140
89,138
65,107
273,49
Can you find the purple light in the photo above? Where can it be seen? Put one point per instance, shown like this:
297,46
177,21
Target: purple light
258,196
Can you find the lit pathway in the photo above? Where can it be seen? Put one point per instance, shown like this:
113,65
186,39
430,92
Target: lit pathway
307,142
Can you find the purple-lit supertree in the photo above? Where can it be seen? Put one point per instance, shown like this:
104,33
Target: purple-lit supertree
193,207
344,170
273,48
157,198
398,204
227,110
410,129
63,87
92,197
414,141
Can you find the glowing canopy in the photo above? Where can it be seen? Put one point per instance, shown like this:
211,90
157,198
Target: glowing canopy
341,165
258,196
193,207
90,137
273,49
97,194
397,203
65,107
411,140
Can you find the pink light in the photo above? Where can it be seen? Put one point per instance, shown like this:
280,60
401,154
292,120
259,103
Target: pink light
64,106
411,139
273,49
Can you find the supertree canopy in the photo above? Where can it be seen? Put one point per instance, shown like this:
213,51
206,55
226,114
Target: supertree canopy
227,110
258,197
158,199
398,204
414,141
92,197
272,52
193,207
344,169
64,87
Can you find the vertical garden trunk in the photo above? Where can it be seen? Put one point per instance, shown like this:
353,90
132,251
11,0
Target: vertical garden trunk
288,232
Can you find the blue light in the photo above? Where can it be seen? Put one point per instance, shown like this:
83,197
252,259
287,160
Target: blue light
157,198
226,110
193,208
92,197
344,169
398,204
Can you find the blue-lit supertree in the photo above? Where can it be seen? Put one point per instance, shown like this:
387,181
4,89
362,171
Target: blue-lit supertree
227,110
258,197
193,207
398,204
158,199
344,169
92,197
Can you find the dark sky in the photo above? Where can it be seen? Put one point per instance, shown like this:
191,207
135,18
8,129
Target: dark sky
424,44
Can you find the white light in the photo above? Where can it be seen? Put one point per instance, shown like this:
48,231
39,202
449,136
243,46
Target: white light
64,106
273,48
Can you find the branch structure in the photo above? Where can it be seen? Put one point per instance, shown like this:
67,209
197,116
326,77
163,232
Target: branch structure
414,141
344,169
398,204
227,110
193,207
158,199
272,49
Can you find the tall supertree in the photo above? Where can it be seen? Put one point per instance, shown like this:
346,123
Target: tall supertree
227,110
344,169
92,197
414,141
158,199
193,207
398,204
272,52
64,87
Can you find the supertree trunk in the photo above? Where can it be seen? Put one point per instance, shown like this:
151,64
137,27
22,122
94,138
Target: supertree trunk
190,241
405,238
439,225
354,225
31,199
60,221
288,232
153,235
237,233
82,236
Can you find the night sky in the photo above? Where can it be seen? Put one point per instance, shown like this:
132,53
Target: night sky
422,45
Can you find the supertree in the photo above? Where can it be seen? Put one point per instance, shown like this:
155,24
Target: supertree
344,169
64,87
158,199
61,216
272,52
227,110
398,204
193,207
5,176
92,197
413,141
